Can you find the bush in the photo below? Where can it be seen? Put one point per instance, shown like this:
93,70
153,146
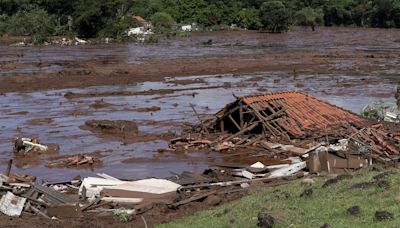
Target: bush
309,17
39,39
117,28
92,16
249,19
35,21
162,21
3,24
275,17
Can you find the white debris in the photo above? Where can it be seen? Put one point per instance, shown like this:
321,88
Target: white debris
152,185
392,117
27,144
80,41
187,28
139,31
258,165
94,185
11,204
244,173
289,170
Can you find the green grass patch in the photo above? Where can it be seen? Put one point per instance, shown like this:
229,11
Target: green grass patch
325,205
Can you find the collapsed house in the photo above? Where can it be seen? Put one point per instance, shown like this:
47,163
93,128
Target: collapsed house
288,115
330,138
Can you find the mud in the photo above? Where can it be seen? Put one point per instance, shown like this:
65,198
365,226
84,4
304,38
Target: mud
149,109
120,128
383,184
354,210
336,179
383,215
100,104
49,92
265,220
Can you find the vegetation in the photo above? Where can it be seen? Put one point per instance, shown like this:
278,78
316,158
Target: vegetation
274,16
122,215
375,110
111,18
325,205
309,17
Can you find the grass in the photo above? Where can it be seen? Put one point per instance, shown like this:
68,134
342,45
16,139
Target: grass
325,205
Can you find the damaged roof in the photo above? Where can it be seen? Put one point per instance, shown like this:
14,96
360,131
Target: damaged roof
308,111
291,114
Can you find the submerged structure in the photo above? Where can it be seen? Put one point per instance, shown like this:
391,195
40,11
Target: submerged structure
285,115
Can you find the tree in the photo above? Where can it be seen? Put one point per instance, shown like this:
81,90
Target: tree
383,13
275,17
249,19
162,21
309,17
337,15
91,16
33,22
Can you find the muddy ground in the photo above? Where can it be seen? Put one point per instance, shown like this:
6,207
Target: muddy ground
50,92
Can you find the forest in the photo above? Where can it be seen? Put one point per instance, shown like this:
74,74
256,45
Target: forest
111,18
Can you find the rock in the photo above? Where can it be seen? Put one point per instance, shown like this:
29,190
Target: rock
212,200
265,220
383,175
307,192
354,210
326,225
336,180
383,215
308,182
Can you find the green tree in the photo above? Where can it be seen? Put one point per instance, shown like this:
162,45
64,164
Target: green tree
162,21
275,17
383,13
337,15
91,16
309,17
249,19
33,22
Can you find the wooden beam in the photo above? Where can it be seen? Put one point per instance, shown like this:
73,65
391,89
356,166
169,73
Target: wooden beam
241,116
198,117
249,128
234,122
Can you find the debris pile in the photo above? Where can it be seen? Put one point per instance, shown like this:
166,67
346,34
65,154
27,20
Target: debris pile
281,125
382,111
117,128
79,160
266,140
25,146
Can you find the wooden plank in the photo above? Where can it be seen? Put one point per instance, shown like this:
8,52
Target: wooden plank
251,127
198,117
193,198
234,122
241,116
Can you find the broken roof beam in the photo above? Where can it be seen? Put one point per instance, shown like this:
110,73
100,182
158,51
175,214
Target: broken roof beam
249,128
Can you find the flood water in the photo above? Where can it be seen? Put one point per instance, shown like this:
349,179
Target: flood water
20,112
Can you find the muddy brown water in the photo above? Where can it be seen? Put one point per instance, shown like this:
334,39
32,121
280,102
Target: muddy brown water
53,118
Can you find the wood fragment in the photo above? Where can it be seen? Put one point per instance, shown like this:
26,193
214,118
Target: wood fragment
9,165
251,127
37,211
198,117
229,183
193,198
234,122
